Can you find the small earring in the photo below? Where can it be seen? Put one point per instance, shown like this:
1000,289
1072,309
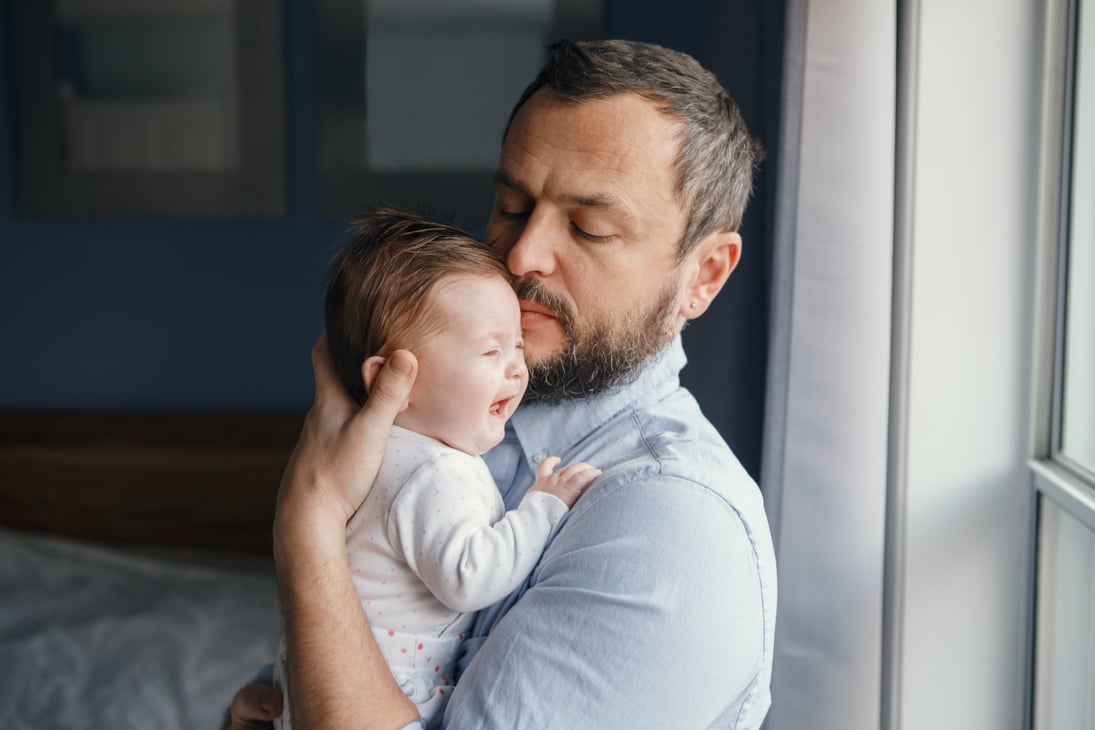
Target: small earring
691,305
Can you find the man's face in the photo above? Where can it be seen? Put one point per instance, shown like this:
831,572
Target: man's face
586,216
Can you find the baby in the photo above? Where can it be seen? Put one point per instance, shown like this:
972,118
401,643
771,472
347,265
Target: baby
433,542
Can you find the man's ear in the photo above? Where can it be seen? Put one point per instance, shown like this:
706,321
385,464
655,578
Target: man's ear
369,370
709,265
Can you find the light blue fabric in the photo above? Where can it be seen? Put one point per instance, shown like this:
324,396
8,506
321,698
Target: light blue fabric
654,604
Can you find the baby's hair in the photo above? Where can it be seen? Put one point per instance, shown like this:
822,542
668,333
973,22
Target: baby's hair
379,284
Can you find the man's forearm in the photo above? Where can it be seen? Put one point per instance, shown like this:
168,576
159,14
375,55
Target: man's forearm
337,676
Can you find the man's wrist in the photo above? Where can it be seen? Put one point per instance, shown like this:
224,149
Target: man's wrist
306,527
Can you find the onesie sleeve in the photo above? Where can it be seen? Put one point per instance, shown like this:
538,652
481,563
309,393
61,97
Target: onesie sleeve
449,524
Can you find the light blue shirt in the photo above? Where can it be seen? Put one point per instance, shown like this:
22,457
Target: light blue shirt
654,603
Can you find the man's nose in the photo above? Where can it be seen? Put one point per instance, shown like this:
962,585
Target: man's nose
533,253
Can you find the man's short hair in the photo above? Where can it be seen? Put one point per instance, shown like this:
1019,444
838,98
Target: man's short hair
717,155
379,285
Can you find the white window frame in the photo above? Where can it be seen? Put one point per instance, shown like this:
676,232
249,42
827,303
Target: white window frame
1054,476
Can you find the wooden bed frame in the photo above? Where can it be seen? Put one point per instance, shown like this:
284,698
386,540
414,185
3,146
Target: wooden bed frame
194,480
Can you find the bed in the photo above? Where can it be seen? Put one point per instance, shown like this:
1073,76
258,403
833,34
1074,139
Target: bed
136,585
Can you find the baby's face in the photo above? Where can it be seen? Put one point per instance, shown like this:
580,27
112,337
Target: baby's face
471,364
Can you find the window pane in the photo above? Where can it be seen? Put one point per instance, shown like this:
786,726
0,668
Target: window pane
414,95
146,87
132,107
1065,668
1078,426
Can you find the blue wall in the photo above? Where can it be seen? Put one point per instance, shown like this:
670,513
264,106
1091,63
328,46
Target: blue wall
161,314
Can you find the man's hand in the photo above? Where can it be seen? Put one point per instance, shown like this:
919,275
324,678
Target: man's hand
328,476
255,706
341,445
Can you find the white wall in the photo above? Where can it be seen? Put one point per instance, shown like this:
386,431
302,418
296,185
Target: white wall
972,208
825,445
921,423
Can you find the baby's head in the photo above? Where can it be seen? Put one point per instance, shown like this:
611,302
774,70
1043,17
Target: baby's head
406,282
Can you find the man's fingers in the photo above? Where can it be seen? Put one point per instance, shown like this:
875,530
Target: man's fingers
254,706
321,361
388,396
330,393
341,444
393,384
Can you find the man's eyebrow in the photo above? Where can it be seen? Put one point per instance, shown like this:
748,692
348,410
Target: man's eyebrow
602,201
503,178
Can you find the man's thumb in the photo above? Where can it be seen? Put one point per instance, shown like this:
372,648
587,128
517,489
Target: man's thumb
393,383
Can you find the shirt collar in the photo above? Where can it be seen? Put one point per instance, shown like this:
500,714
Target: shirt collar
551,430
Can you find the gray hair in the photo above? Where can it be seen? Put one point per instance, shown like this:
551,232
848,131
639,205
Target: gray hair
717,157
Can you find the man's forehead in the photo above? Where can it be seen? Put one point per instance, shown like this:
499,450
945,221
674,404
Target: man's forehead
615,135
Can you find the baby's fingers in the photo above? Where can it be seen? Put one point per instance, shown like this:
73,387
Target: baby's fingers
546,467
577,476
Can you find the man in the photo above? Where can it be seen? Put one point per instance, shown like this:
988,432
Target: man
623,177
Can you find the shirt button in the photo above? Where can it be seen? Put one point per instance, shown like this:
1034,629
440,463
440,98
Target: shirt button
539,456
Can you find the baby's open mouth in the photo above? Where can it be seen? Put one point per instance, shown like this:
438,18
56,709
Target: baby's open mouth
498,408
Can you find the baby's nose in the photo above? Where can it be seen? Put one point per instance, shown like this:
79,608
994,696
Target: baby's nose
516,366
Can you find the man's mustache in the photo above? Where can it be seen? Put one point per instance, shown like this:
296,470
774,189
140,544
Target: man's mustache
534,290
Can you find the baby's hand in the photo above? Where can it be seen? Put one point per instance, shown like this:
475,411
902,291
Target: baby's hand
568,483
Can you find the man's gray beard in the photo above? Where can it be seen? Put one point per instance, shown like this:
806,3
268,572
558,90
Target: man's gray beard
599,356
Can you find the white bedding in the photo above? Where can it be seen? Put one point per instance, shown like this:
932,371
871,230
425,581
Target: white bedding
98,638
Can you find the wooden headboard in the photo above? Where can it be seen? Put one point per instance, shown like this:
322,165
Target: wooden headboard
196,480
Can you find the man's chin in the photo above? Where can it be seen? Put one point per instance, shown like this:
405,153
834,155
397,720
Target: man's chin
541,348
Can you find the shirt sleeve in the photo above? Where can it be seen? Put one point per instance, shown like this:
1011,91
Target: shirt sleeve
646,611
449,524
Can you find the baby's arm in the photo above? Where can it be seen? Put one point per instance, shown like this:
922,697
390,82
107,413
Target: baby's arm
449,524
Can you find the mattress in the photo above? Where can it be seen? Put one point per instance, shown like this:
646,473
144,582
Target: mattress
95,637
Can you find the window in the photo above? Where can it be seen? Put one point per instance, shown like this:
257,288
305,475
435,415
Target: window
163,108
1066,620
434,140
1078,381
1064,478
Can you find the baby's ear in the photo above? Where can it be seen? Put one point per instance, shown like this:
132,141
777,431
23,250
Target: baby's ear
369,370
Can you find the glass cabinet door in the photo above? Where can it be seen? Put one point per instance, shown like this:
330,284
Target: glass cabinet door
165,107
414,95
